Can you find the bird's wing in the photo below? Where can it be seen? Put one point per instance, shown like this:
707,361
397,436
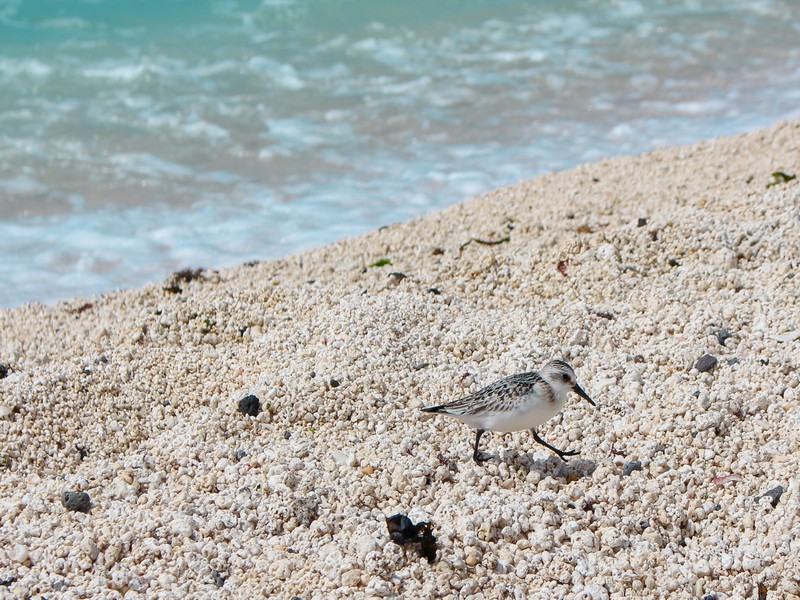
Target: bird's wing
498,397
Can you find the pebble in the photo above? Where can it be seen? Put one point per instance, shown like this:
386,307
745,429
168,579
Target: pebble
774,495
18,553
306,509
702,568
351,578
76,501
706,363
250,405
365,544
472,556
632,466
218,579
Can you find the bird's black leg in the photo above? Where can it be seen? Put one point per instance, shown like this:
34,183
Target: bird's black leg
478,456
561,453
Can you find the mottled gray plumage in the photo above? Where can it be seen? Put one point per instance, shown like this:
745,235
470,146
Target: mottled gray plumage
502,396
521,401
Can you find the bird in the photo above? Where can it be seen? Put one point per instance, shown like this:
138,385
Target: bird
521,401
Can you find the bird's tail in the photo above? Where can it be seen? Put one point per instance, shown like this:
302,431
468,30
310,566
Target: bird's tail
433,409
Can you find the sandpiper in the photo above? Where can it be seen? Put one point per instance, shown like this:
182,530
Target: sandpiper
521,401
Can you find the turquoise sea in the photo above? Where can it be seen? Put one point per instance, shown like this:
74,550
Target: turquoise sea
141,137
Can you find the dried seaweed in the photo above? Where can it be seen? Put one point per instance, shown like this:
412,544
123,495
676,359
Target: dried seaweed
403,532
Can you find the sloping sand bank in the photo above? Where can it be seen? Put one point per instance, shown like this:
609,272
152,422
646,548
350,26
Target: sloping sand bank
631,269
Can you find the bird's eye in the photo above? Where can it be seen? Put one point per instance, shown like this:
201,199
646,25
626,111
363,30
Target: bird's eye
565,376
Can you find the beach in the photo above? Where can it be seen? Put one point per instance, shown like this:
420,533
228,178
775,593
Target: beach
668,280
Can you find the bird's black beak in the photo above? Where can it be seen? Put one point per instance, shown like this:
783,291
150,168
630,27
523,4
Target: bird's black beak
579,390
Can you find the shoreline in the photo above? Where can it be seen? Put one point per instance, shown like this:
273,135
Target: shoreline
630,268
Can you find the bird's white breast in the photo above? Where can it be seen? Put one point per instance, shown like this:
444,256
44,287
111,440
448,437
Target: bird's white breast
532,411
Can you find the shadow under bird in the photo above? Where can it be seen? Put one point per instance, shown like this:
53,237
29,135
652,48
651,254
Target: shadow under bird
521,401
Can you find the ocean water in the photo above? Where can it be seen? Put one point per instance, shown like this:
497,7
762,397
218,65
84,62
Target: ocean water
138,138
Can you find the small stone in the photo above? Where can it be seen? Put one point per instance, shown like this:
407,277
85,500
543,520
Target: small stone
306,510
335,383
4,369
76,501
706,363
702,568
787,337
722,336
634,465
641,222
89,546
473,556
250,405
580,338
239,455
351,578
18,553
751,563
396,277
219,580
364,545
502,567
774,495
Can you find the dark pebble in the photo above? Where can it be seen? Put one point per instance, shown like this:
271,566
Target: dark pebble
76,501
239,454
334,383
219,580
674,263
774,495
250,405
733,361
723,335
306,510
641,222
287,434
632,466
4,368
706,363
